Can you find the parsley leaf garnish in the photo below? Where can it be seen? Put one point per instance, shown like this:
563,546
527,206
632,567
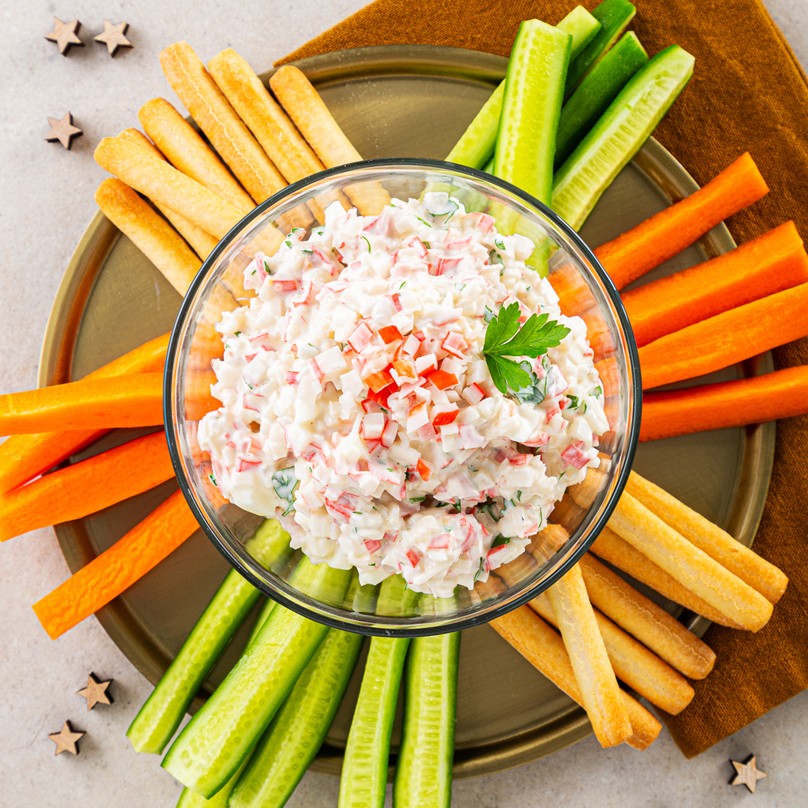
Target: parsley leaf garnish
504,338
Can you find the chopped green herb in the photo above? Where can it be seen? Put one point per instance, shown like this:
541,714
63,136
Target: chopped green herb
500,540
597,391
284,482
367,241
213,480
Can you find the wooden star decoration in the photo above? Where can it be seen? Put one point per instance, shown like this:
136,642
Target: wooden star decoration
113,36
65,34
96,692
66,739
62,129
747,773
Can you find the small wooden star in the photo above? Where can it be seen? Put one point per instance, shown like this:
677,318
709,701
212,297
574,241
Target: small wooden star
747,773
62,129
66,739
65,34
96,692
113,36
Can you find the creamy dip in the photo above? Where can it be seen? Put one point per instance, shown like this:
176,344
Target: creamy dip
358,408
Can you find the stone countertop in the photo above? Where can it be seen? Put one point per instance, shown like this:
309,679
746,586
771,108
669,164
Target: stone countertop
47,200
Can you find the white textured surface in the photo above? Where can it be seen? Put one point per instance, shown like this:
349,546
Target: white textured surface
47,200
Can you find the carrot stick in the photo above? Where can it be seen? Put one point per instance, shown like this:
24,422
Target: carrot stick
86,487
112,403
727,338
771,263
782,394
23,457
117,568
670,231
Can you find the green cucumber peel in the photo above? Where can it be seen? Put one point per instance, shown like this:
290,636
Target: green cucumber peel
531,108
596,91
614,17
299,729
476,145
619,134
162,713
221,735
423,775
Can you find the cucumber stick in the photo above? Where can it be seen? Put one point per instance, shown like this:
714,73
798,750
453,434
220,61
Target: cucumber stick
190,799
531,106
619,134
364,768
614,17
424,769
220,736
299,729
476,145
163,711
594,94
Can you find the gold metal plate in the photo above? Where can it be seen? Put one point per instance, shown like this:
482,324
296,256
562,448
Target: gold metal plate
408,102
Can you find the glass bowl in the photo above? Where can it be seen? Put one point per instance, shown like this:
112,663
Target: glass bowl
585,290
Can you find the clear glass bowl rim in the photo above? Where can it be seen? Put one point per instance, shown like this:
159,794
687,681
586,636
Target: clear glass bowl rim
391,626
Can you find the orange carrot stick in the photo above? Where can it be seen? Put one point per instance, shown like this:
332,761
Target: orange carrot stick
782,394
23,457
771,263
667,233
86,487
117,402
727,338
117,568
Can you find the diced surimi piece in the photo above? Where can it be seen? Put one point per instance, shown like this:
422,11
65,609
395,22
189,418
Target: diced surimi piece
423,469
285,285
445,416
245,465
316,369
331,361
443,265
495,550
406,368
418,245
389,333
573,456
378,381
411,345
518,460
372,425
454,344
474,394
442,379
417,417
291,377
424,364
451,365
372,545
413,557
338,507
389,434
360,337
481,222
396,302
541,439
440,542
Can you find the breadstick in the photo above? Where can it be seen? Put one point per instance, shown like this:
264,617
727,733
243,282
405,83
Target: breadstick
543,648
634,664
767,579
201,242
649,623
150,233
217,119
593,669
185,149
692,567
162,183
619,553
313,118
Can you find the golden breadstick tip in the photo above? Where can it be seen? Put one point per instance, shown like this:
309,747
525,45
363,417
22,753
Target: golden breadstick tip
202,243
692,567
218,120
642,618
185,149
161,182
593,668
543,648
312,117
751,568
634,664
150,233
619,553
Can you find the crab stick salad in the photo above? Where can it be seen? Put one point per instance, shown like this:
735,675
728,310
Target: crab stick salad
360,407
